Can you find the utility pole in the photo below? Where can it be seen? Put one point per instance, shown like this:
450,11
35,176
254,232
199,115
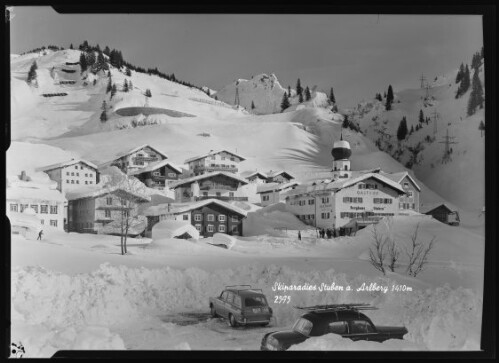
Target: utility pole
422,79
435,117
427,90
447,141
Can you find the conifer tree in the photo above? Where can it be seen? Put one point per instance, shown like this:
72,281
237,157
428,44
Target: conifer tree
421,116
402,129
32,72
128,72
94,82
107,51
476,96
252,105
460,73
289,91
300,97
130,86
334,108
465,83
346,122
285,102
83,62
389,94
148,93
125,86
113,90
109,85
332,99
481,127
308,96
104,106
299,90
71,46
412,130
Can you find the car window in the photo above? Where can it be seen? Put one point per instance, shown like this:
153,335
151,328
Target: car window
303,326
237,301
338,327
360,327
230,297
255,301
224,295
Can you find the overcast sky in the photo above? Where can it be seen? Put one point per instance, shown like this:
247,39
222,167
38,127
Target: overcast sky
357,55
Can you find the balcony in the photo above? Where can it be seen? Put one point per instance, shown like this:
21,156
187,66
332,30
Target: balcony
224,198
202,168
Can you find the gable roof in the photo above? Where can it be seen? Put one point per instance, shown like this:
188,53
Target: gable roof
207,176
274,187
336,185
398,177
213,153
178,208
67,163
273,174
431,208
97,191
156,165
125,153
249,174
34,194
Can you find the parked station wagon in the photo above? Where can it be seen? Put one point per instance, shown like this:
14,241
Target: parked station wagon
241,305
345,320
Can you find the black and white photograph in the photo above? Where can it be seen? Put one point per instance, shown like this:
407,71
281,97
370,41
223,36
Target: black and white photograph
246,182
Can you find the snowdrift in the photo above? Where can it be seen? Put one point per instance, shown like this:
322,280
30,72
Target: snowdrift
272,220
171,229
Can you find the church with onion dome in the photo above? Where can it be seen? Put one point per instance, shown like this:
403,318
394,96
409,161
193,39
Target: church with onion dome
351,200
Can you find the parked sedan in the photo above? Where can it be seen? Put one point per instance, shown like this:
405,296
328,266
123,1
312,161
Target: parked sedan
241,305
346,321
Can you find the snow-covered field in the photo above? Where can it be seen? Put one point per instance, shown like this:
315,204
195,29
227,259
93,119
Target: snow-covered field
157,296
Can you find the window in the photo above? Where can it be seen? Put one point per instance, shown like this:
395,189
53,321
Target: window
221,228
221,218
109,200
13,207
172,175
198,227
231,194
67,181
67,173
360,327
219,194
90,175
77,174
44,208
198,217
325,215
237,301
210,228
410,194
338,327
156,173
413,205
53,222
362,186
325,200
42,221
72,181
53,209
210,217
406,185
86,182
107,213
265,198
72,174
90,182
223,157
346,167
234,219
231,159
76,166
86,174
303,326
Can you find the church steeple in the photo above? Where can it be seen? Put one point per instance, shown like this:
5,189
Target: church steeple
341,154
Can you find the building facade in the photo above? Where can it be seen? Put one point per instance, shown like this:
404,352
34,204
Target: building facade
47,204
158,175
271,193
214,161
220,185
279,177
91,212
208,216
72,174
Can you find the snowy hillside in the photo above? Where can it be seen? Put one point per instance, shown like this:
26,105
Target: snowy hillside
265,93
465,166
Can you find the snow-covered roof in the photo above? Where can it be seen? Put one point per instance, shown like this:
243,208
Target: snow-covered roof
136,226
272,174
250,174
213,153
24,220
97,191
398,177
339,184
155,166
67,163
173,228
125,153
34,194
177,208
207,176
428,207
275,187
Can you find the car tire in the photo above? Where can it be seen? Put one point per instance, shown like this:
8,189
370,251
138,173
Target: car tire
213,312
232,321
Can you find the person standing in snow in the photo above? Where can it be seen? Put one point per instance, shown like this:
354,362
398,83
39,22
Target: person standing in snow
299,235
40,235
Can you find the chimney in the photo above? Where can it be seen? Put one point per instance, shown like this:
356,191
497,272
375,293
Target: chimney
24,177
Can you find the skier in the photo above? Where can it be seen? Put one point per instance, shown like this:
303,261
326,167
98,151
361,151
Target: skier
299,235
40,235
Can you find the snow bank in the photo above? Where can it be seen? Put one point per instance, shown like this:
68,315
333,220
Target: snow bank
224,239
171,229
438,318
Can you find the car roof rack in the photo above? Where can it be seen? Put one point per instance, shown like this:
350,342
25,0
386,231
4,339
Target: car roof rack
246,287
337,307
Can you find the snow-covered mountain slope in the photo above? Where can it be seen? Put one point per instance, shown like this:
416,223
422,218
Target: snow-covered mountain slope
79,111
461,178
265,93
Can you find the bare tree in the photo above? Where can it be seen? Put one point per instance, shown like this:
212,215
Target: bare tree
393,255
377,252
418,253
